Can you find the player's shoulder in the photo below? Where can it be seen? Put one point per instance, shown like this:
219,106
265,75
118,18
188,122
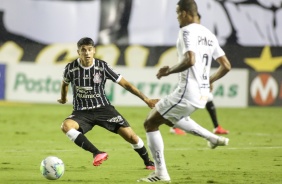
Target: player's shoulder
193,28
196,27
100,61
73,63
200,30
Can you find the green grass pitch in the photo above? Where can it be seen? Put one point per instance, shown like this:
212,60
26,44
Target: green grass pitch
31,132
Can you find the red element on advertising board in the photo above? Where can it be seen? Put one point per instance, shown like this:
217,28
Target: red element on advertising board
264,90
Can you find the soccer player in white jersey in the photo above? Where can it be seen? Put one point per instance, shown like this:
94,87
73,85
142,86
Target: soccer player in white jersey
210,108
196,46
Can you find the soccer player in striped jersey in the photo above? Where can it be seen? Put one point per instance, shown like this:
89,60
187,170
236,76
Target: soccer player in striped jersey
87,76
196,46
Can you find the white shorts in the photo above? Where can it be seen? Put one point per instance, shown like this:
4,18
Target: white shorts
174,107
210,97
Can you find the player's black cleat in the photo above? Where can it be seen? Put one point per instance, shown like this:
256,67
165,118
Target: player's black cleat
150,165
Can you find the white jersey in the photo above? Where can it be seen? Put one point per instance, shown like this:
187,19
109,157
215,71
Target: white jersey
194,82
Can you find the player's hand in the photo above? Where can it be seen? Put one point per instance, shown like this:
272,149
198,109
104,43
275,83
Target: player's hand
61,101
163,72
152,102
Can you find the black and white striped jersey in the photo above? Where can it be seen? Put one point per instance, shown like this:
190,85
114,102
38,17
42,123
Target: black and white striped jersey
88,83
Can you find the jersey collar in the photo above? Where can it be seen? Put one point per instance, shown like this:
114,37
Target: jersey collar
78,60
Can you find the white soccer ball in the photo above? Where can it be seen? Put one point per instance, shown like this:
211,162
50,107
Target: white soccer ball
52,168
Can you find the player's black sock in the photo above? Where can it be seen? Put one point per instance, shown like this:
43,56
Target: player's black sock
143,154
211,109
84,143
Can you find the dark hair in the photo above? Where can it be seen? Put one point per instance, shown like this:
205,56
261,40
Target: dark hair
85,41
190,6
199,15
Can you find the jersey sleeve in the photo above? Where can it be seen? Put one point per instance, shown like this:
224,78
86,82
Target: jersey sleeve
111,74
66,75
218,52
188,40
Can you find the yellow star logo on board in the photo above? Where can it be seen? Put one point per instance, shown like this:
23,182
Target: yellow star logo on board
265,63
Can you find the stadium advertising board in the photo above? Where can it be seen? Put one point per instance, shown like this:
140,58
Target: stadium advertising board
2,81
265,82
41,84
229,91
265,88
28,82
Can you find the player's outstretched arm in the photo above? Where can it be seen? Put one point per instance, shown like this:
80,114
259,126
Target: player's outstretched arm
224,68
64,92
132,89
187,62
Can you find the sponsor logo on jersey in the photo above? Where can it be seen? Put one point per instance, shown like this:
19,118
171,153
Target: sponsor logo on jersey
87,77
84,87
86,92
85,95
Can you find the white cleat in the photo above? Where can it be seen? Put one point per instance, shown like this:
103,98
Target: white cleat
221,141
154,178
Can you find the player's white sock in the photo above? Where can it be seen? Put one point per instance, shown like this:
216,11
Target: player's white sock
190,126
156,145
72,134
139,145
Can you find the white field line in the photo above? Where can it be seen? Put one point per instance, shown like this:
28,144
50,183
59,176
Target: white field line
261,134
166,149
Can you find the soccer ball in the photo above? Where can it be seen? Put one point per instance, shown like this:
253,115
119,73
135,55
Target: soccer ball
52,168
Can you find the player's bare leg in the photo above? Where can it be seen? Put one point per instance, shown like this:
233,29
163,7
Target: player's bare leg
156,145
138,145
70,128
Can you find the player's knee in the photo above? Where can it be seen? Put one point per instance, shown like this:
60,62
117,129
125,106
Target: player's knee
66,126
145,124
149,126
63,127
134,139
128,134
131,138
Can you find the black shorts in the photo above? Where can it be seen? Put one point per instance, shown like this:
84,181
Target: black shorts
106,116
